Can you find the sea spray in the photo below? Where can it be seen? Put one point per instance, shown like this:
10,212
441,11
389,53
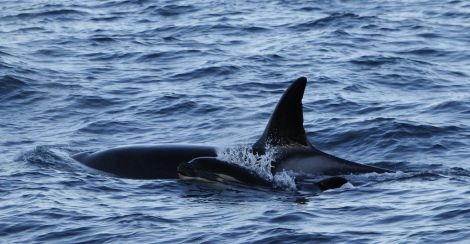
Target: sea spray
260,164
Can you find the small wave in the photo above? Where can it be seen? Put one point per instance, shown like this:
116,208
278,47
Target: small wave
460,213
435,53
106,18
102,39
64,234
373,178
50,156
425,51
107,127
292,217
181,107
456,171
10,83
122,219
31,29
110,56
375,60
56,52
171,10
355,88
176,105
450,107
62,14
388,128
258,87
284,235
404,130
338,102
335,19
309,9
267,58
396,219
255,29
168,55
217,71
95,102
429,35
4,54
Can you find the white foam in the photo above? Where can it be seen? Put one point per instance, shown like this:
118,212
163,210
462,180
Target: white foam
260,164
284,180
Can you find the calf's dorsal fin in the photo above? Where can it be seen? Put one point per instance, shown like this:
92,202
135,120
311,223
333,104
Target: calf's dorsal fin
286,125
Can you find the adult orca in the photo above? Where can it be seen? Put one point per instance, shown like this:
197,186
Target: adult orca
144,162
285,133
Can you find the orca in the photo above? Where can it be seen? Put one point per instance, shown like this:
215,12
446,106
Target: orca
284,132
213,169
144,161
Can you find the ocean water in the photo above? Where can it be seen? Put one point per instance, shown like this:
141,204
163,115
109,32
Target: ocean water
389,85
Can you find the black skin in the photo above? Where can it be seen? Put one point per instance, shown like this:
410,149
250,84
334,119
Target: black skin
144,162
284,131
210,168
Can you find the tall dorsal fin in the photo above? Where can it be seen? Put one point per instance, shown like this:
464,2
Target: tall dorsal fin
285,127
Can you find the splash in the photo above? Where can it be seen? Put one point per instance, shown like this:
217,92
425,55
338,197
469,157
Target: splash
260,164
284,180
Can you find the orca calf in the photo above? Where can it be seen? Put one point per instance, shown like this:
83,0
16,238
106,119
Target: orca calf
285,133
213,169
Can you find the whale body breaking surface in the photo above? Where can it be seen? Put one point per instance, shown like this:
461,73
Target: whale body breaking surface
284,133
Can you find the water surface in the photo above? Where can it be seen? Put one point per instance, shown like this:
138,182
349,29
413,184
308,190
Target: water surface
389,85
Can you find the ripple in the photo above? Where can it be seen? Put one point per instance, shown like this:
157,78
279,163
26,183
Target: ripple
62,14
452,214
110,127
139,217
291,236
386,133
450,107
334,20
259,87
10,83
171,10
55,52
292,217
168,55
63,234
110,57
216,71
375,60
102,39
47,156
425,51
21,227
81,76
92,101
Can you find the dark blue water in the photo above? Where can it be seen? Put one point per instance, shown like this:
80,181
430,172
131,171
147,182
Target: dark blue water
389,86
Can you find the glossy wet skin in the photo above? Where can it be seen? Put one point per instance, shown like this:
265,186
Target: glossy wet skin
284,131
315,162
213,169
144,162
